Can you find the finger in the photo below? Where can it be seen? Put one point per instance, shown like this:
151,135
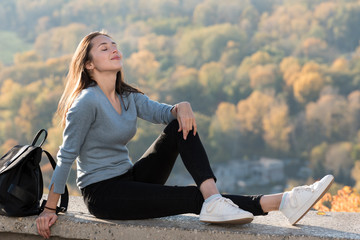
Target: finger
180,126
47,233
190,125
40,227
45,227
37,226
186,129
185,133
194,128
52,220
43,233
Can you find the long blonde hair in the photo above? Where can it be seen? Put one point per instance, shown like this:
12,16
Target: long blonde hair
78,77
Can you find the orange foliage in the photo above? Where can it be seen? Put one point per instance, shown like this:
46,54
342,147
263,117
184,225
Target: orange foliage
346,200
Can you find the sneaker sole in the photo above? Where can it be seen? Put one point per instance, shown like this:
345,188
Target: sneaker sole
308,205
233,221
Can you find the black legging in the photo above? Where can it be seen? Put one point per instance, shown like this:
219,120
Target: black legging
140,193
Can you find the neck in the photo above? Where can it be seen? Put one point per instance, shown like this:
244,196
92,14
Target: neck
106,81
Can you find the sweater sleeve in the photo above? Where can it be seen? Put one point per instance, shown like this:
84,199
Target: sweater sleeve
78,121
152,111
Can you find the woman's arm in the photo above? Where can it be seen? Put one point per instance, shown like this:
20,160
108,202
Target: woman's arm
48,217
78,121
185,116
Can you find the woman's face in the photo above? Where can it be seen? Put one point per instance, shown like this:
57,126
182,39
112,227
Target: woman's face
104,55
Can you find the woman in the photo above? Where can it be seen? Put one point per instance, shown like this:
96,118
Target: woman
99,112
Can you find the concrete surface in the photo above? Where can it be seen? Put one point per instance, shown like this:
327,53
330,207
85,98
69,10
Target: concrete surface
77,223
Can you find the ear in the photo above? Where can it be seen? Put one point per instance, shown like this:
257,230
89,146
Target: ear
89,65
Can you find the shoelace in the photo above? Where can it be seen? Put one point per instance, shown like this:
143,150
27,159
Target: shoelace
222,200
297,191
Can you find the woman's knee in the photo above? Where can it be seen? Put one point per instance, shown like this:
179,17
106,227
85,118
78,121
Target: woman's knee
173,126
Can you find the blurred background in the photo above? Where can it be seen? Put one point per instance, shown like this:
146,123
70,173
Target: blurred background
275,84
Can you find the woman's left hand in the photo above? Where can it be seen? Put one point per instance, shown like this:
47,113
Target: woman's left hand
186,118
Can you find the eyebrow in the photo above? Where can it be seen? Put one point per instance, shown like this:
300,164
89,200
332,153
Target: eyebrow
105,43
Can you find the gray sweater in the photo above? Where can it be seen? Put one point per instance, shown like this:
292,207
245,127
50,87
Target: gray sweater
96,135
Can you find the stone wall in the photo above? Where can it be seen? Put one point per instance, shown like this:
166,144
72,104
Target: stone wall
77,223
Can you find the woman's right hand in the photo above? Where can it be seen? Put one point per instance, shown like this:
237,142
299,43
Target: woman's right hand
44,221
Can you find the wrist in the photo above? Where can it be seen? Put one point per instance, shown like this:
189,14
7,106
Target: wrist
46,211
50,208
174,109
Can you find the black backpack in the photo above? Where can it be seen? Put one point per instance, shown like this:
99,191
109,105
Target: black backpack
21,181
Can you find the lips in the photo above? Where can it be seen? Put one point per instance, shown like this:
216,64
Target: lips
116,58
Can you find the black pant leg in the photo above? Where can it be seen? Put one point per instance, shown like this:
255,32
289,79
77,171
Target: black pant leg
157,162
125,200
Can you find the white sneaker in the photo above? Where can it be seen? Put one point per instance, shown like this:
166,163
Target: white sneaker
223,210
299,200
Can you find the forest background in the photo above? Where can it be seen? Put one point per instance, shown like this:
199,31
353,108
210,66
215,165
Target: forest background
270,78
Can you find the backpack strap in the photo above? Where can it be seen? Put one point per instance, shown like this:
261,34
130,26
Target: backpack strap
64,201
37,137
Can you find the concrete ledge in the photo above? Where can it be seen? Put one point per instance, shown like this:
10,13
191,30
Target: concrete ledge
77,223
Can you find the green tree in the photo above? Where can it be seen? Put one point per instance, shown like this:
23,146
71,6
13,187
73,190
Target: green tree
199,46
204,13
341,26
354,113
60,40
317,160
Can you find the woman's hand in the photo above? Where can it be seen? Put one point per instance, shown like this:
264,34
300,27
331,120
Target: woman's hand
44,221
186,118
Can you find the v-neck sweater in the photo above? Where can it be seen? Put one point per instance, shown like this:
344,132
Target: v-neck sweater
96,135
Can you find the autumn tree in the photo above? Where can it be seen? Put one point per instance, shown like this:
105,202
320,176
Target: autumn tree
184,85
308,84
340,168
263,77
252,110
10,95
224,132
232,55
29,56
327,119
290,68
7,145
142,68
250,114
314,48
340,64
277,128
355,173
